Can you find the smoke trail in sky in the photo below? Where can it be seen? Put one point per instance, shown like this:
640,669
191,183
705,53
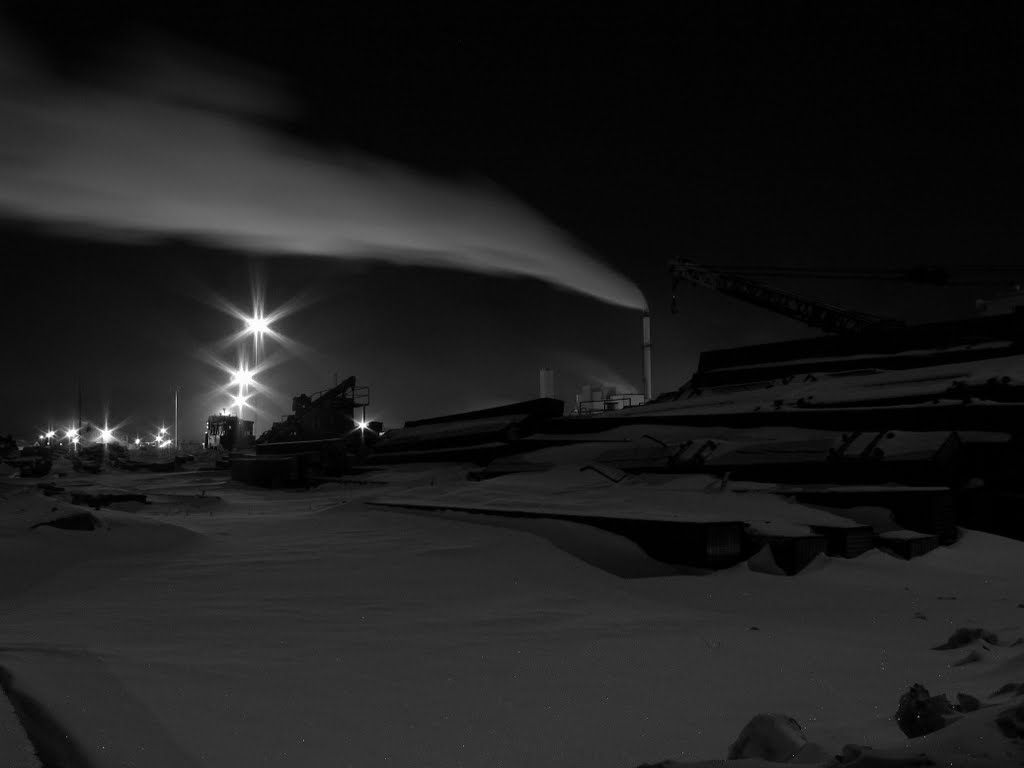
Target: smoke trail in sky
178,149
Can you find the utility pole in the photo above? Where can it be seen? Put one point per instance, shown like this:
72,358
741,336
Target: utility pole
646,361
255,367
176,442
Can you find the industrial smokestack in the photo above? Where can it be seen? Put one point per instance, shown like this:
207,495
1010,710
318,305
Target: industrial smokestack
547,382
647,355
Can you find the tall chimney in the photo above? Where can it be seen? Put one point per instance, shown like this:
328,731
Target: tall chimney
647,355
547,382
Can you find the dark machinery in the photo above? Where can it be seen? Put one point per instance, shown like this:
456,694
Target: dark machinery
31,461
331,413
318,439
8,447
227,431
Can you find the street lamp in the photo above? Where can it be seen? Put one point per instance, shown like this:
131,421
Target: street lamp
257,324
242,377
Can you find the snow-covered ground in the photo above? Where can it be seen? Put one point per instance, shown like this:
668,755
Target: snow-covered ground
245,627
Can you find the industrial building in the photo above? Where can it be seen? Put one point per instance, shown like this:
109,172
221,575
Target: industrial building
923,422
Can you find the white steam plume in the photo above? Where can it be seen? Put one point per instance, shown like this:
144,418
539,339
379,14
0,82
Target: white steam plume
180,150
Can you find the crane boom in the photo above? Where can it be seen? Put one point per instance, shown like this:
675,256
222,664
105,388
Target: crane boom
816,314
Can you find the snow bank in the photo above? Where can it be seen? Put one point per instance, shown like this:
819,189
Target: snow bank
310,628
979,729
569,492
32,550
15,748
78,713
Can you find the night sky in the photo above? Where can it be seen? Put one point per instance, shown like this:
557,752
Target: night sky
395,179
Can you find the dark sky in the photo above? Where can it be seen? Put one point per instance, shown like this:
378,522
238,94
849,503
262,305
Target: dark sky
795,134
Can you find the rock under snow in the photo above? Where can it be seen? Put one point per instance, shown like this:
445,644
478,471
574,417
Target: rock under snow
77,521
965,636
1016,689
973,656
769,736
1011,722
967,703
920,713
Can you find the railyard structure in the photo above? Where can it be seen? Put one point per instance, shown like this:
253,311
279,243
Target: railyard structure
874,432
902,432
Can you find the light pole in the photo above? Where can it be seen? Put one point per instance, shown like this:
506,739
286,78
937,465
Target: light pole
257,325
255,366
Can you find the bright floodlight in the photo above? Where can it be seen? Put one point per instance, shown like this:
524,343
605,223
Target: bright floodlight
257,324
70,432
50,435
163,431
362,425
240,401
106,434
75,439
242,377
137,441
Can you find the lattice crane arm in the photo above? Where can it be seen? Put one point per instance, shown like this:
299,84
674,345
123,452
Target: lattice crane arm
816,314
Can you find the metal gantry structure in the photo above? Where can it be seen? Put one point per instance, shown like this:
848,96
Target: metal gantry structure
739,282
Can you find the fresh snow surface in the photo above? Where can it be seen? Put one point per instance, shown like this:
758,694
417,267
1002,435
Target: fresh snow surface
570,492
247,627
